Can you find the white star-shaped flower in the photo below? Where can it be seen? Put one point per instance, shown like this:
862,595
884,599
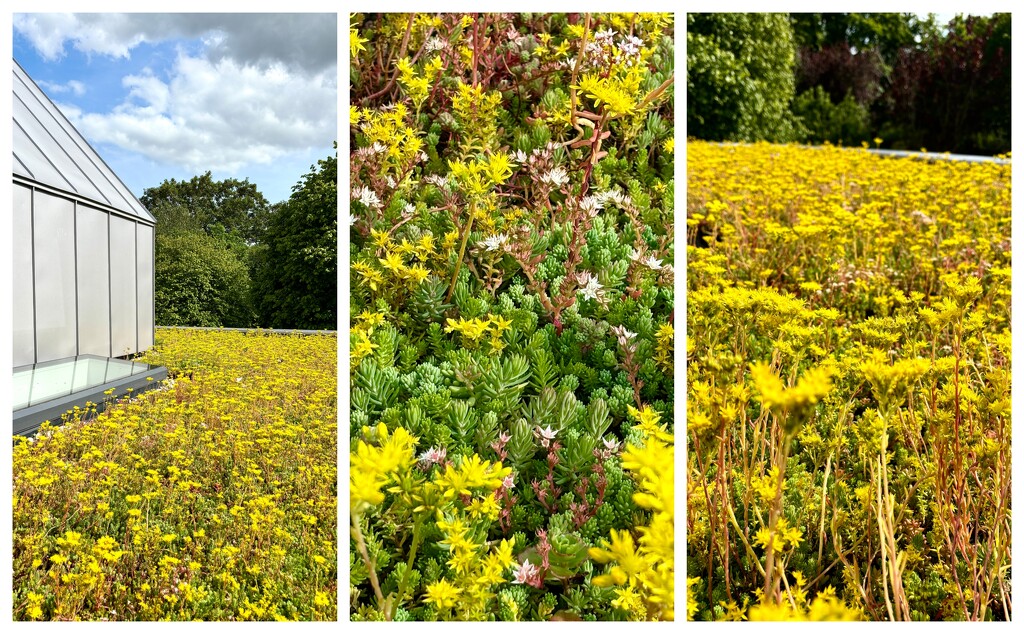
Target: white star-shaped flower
592,289
366,196
555,176
546,433
493,243
653,263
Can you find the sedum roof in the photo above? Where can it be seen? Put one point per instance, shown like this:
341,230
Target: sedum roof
50,151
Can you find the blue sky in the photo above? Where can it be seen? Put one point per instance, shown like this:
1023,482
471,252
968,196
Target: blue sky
175,95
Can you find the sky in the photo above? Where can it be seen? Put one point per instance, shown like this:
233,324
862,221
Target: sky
160,96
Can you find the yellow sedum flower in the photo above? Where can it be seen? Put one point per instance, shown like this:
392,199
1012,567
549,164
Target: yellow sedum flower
249,418
372,467
443,594
645,568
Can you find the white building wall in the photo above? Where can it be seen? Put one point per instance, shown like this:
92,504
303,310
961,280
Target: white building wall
83,279
93,281
23,319
123,292
54,268
144,246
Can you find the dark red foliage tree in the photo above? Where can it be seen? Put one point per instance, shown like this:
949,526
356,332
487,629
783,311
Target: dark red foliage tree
954,96
841,70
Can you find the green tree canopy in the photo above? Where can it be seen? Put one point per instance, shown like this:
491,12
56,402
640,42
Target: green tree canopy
295,269
202,204
200,282
740,78
887,32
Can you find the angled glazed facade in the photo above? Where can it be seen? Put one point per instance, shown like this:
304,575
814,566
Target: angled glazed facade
83,245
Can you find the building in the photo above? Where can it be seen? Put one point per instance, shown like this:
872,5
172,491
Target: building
83,248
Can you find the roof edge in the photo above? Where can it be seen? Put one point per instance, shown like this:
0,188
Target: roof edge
105,207
151,217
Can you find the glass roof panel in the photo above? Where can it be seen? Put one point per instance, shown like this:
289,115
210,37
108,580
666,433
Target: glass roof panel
45,390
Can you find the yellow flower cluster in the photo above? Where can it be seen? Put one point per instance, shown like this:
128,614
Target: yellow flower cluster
480,175
890,382
474,330
825,607
616,95
356,43
644,573
476,571
766,486
785,535
472,473
865,301
664,340
814,385
371,467
400,267
476,112
361,345
459,499
418,86
402,144
212,497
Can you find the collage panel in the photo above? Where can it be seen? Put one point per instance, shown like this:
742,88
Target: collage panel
848,317
511,317
174,390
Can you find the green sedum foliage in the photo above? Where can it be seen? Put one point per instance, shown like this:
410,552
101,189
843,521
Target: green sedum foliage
511,319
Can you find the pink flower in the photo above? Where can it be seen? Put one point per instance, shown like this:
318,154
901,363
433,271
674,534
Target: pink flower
622,334
604,37
504,437
631,46
545,435
526,573
434,455
509,482
625,338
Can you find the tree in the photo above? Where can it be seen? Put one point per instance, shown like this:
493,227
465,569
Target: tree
836,86
295,269
840,71
204,232
740,76
201,204
200,282
888,33
954,96
843,123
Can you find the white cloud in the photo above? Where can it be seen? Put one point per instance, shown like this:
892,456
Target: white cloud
249,89
217,115
305,41
73,86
